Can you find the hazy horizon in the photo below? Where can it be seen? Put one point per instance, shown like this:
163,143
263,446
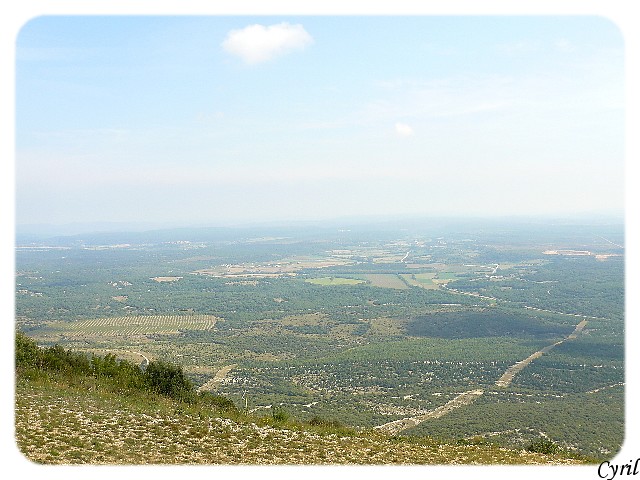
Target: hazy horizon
236,120
78,228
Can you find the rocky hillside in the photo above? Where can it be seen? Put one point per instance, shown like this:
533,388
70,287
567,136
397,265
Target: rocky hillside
72,412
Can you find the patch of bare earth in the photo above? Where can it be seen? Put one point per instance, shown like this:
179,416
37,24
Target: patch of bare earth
217,379
165,279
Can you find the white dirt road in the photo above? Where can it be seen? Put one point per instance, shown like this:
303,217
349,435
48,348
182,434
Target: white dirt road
471,396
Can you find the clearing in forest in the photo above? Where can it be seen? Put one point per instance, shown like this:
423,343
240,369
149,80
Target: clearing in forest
397,426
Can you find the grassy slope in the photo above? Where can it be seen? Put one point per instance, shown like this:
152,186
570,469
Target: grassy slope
63,422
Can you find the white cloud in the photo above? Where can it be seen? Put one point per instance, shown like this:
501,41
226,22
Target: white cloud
404,130
259,43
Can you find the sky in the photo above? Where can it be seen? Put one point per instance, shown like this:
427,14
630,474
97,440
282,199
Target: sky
232,119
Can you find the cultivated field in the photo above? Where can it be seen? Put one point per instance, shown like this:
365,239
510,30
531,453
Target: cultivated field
385,280
289,266
130,326
166,279
423,280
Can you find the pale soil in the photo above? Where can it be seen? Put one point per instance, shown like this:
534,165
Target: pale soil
217,379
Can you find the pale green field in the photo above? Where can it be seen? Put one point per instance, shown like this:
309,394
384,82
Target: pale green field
423,280
448,275
334,281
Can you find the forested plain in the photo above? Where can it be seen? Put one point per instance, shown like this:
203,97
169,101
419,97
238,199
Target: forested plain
427,310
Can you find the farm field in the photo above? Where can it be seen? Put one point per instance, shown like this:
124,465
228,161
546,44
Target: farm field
367,327
385,280
423,280
129,326
334,281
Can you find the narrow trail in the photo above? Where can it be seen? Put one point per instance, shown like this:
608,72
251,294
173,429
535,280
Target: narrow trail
145,360
609,241
467,398
217,378
619,384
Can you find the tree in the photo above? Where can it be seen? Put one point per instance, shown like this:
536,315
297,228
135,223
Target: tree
167,379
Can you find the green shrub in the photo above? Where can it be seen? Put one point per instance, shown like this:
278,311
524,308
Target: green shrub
166,379
159,377
27,352
29,356
279,415
219,402
477,440
317,421
123,374
543,445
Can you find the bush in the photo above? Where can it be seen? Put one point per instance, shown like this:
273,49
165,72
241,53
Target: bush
122,373
218,402
317,421
477,440
29,356
27,352
169,380
279,415
159,377
543,445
